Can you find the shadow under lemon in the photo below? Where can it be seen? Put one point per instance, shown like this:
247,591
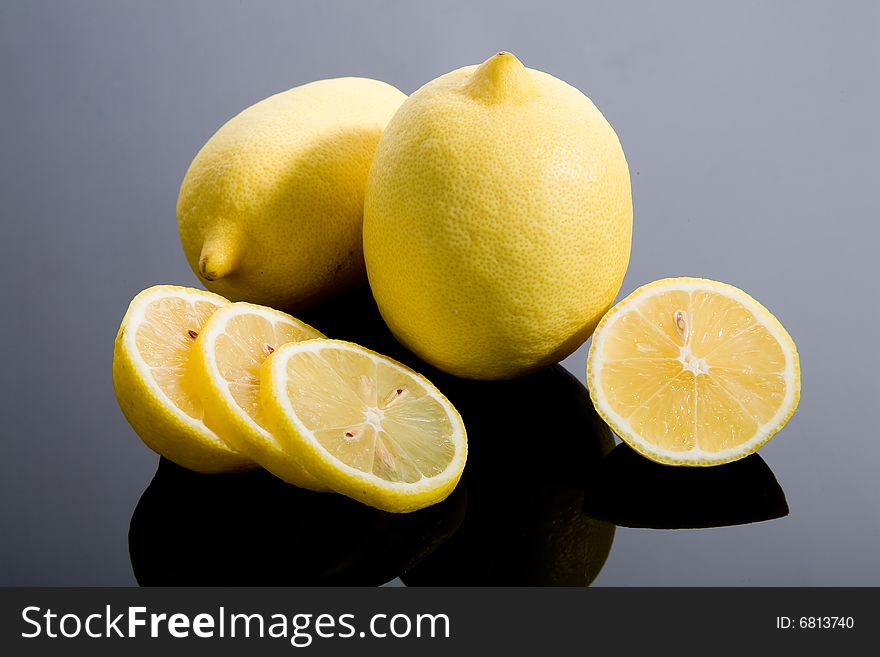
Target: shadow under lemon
532,442
631,491
252,529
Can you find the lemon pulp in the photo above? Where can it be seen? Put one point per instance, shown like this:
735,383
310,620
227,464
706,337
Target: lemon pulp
365,425
246,341
164,339
370,416
693,371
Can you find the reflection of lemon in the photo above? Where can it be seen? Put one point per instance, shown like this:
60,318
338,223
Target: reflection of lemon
251,529
497,220
226,363
693,372
364,424
271,208
150,375
534,533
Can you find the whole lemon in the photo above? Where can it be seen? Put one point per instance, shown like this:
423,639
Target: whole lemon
497,220
271,208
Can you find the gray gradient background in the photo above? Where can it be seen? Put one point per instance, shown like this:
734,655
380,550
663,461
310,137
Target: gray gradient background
752,137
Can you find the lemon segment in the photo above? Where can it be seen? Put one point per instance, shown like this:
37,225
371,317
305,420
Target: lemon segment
227,356
152,380
366,425
693,372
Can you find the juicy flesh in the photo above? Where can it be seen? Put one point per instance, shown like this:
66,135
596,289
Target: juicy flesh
371,415
692,370
164,339
246,341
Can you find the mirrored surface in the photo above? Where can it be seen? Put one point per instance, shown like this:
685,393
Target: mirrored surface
532,444
251,529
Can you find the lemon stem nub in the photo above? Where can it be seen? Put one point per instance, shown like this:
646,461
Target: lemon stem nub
216,260
502,78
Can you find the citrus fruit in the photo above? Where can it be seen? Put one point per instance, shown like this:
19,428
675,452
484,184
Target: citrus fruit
271,208
497,220
690,371
226,362
366,425
152,383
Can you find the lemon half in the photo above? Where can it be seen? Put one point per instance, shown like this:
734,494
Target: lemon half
690,371
364,424
152,382
226,361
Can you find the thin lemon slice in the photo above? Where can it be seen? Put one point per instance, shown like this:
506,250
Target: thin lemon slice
226,361
151,378
690,371
366,425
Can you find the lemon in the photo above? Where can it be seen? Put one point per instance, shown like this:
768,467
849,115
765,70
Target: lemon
366,425
271,208
690,371
497,220
226,361
151,378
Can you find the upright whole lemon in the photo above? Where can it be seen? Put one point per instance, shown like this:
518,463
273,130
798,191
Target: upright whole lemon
271,208
497,220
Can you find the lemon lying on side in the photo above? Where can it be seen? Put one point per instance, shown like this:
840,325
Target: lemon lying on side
693,372
271,208
152,383
364,424
225,362
497,220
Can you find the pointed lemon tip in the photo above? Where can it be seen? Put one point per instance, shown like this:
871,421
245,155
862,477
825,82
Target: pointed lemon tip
502,78
215,261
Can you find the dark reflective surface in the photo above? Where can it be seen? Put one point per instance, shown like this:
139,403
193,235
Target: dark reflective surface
629,490
532,444
253,529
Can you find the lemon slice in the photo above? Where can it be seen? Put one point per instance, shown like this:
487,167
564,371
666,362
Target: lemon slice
226,362
152,382
366,425
689,371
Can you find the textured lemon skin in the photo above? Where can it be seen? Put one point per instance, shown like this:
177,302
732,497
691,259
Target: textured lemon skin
400,498
624,431
498,220
271,208
160,425
230,422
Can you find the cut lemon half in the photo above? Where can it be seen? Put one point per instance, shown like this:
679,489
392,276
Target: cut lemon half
152,383
226,361
690,371
366,425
